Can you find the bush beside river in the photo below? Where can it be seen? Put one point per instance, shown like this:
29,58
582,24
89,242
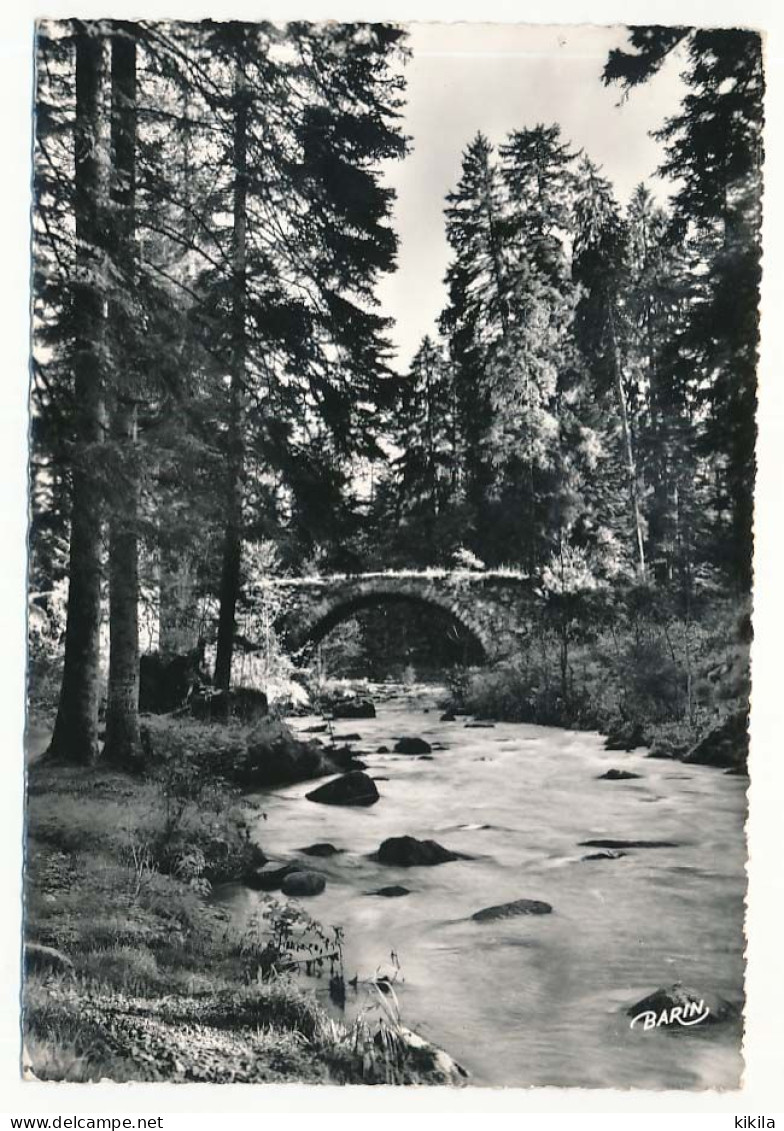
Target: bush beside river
645,677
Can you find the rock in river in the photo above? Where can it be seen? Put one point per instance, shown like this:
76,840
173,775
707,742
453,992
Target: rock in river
323,848
274,756
412,746
394,891
343,758
694,1007
617,775
511,910
303,883
609,843
431,1062
353,709
408,852
608,854
726,746
270,877
354,788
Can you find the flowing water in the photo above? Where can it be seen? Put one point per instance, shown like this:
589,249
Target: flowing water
535,999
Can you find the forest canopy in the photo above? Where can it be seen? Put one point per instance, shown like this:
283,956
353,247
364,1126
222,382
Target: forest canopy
213,399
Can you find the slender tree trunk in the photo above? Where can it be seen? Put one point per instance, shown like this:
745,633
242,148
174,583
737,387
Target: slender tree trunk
122,709
631,469
75,737
660,533
232,542
431,456
456,463
178,629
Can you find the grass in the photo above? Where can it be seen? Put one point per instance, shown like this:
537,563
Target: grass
160,987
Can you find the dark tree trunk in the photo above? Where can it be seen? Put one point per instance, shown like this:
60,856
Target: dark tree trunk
75,737
232,541
122,710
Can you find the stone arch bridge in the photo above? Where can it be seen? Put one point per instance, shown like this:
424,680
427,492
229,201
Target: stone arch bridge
492,606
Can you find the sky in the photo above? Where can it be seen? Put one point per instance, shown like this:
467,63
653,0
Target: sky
495,78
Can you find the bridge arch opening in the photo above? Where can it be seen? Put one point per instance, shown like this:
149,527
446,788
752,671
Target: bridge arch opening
392,631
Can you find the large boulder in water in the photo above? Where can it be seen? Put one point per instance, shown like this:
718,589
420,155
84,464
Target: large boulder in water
303,883
607,854
354,788
412,746
617,775
343,758
726,746
274,756
422,1061
512,910
353,709
322,848
270,876
692,1008
611,842
408,852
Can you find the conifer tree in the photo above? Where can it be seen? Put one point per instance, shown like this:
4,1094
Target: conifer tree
714,151
600,265
122,745
75,737
476,318
425,473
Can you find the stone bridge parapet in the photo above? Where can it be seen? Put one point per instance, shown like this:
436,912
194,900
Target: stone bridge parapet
493,605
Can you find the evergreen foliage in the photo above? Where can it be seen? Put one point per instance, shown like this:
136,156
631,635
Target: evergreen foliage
211,370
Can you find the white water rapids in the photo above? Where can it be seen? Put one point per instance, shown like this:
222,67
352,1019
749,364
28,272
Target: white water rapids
538,999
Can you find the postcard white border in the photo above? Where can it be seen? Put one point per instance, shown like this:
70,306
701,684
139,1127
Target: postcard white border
762,1088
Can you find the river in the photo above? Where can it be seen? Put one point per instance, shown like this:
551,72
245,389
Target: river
534,1000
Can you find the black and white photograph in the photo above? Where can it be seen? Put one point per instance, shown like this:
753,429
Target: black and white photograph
392,454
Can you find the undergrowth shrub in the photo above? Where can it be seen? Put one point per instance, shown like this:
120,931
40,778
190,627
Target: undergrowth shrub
653,685
640,660
202,834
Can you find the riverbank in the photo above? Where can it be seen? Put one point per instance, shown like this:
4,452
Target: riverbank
644,679
133,972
